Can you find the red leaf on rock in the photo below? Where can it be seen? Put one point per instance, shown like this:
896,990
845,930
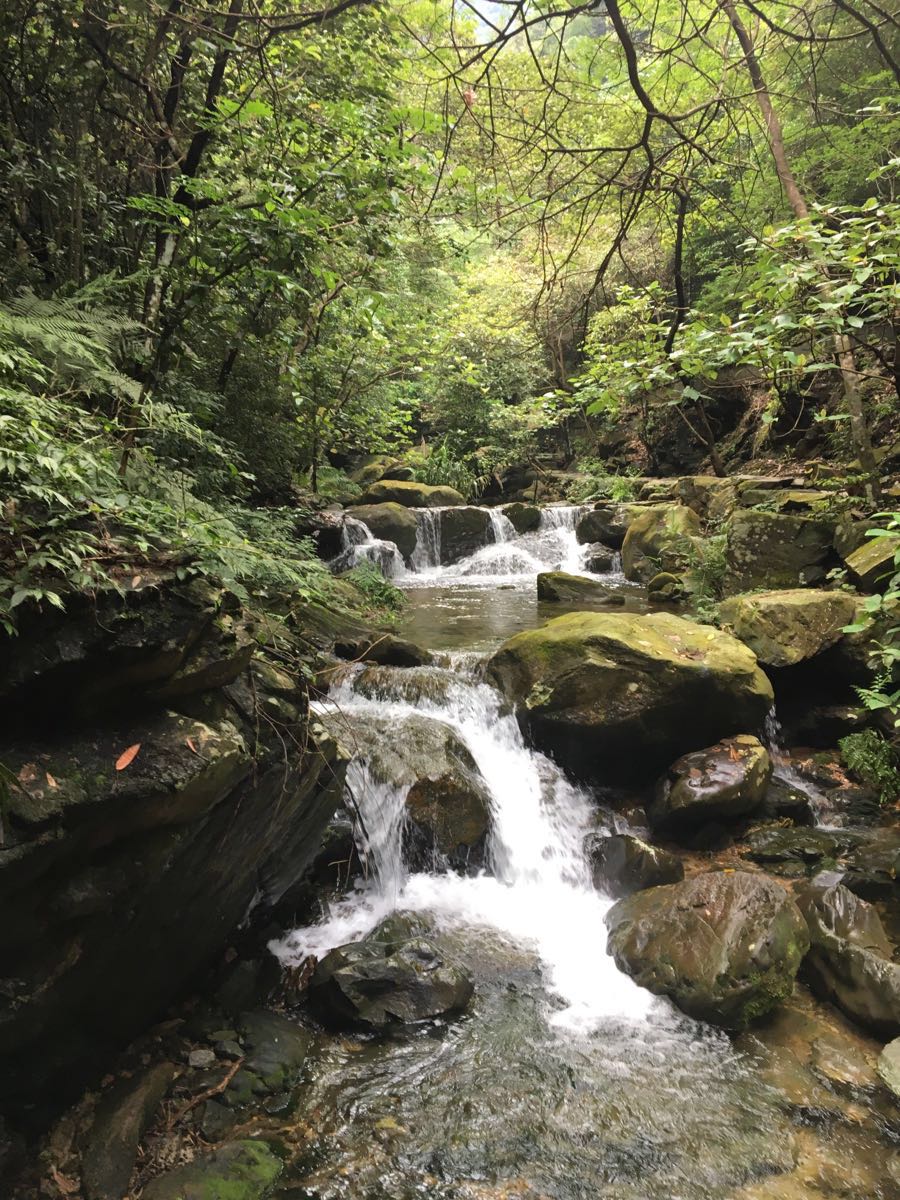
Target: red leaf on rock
127,757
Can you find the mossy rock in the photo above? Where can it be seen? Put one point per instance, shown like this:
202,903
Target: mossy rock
558,587
244,1170
411,495
621,695
524,518
723,782
786,627
391,522
889,1067
659,539
776,550
872,563
464,530
725,946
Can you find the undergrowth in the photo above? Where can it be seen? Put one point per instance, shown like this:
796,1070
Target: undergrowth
874,760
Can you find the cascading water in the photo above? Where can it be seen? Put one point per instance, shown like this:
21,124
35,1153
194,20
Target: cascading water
359,545
785,773
427,553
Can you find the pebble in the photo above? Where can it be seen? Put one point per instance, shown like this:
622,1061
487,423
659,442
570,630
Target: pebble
201,1058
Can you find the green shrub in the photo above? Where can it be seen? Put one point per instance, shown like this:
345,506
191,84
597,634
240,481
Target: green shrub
378,591
873,759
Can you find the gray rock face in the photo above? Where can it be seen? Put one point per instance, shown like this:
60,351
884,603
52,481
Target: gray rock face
122,875
606,523
724,946
621,695
787,627
123,1115
776,550
388,980
599,558
849,960
724,782
623,864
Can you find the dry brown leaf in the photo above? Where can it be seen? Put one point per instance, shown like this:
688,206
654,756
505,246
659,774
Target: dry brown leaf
136,581
127,757
51,782
189,742
67,1186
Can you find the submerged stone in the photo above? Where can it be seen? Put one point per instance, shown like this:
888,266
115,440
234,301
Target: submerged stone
725,946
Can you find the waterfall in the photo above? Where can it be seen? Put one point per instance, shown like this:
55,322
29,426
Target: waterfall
427,553
785,773
358,545
501,526
540,893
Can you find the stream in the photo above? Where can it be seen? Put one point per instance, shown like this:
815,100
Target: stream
564,1080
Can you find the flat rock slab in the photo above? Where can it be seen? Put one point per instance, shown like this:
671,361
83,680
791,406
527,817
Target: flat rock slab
123,1115
787,627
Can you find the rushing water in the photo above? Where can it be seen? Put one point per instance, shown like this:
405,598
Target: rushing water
565,1081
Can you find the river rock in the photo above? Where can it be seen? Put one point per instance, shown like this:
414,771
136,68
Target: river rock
666,588
724,946
889,1067
388,980
659,539
623,864
463,531
723,782
386,650
775,550
122,1117
872,563
410,495
620,695
849,960
242,1170
558,587
711,498
391,522
787,627
778,844
873,870
524,518
606,523
599,559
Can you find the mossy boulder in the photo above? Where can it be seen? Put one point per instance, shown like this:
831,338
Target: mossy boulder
723,782
388,980
776,550
411,495
561,588
787,627
243,1170
607,523
391,522
659,539
623,864
725,946
620,695
524,518
872,563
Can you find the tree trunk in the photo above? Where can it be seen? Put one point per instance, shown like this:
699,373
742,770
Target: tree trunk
843,349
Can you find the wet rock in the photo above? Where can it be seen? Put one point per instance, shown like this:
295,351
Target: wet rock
561,588
724,946
778,845
618,696
386,650
242,1170
217,1120
784,801
391,522
872,563
606,523
787,627
659,539
410,495
387,981
666,588
463,531
623,864
839,1063
599,559
275,1051
723,782
775,550
889,1067
201,1058
873,871
849,960
122,1117
524,518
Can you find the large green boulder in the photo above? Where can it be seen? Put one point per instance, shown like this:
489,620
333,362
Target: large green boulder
390,522
390,979
524,518
723,782
787,627
411,495
775,550
872,563
850,957
724,946
244,1170
620,695
659,539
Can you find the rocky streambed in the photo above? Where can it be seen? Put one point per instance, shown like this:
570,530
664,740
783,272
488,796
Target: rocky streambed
580,924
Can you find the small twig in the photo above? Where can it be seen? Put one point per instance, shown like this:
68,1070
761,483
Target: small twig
216,1090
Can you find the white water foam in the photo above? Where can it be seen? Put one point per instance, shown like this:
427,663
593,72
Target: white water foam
540,893
359,545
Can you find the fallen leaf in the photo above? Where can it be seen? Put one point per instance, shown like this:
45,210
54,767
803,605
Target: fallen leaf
67,1186
51,782
136,581
127,757
190,745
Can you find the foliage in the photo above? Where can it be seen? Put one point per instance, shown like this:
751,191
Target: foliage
601,484
873,759
884,655
442,467
378,591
